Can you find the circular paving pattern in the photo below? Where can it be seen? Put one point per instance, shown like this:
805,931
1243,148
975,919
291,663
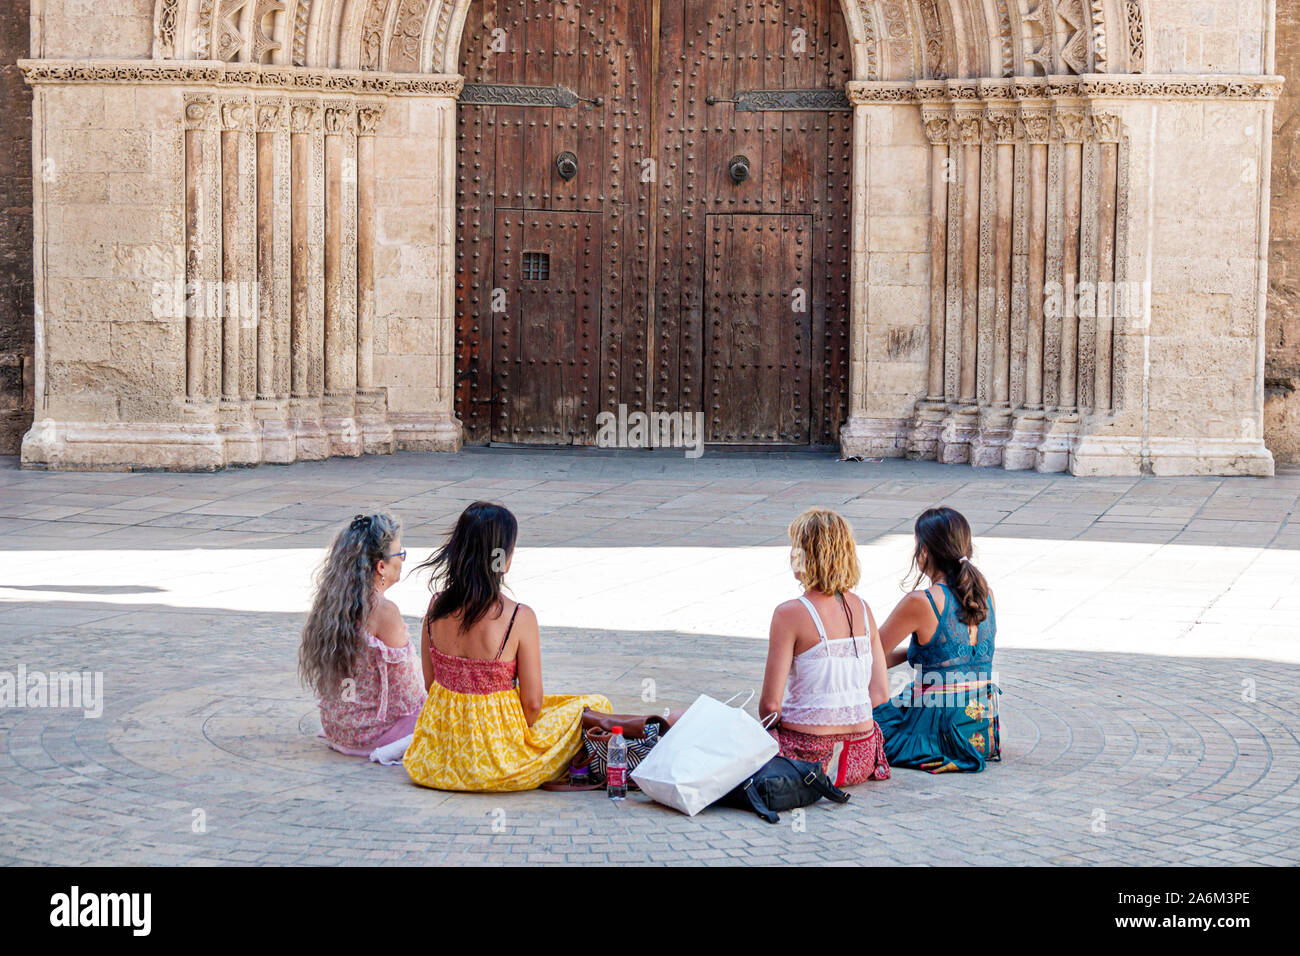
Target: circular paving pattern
207,752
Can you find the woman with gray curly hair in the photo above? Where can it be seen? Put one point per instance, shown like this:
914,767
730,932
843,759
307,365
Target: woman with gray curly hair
355,652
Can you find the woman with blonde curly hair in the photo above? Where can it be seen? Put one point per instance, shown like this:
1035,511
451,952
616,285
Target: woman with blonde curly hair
355,651
823,677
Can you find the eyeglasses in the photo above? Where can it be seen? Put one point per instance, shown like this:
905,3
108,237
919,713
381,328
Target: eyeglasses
398,554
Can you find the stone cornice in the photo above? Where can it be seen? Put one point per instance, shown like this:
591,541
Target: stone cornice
244,75
1088,87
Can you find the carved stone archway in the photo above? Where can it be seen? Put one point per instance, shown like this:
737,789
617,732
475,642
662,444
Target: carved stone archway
999,151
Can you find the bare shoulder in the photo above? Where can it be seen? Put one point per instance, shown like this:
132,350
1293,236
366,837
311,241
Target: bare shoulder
387,624
792,606
788,612
525,620
914,601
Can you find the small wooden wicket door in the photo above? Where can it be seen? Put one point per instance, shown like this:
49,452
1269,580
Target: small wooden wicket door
693,254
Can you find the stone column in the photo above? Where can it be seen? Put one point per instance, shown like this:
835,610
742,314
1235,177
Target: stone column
963,291
270,410
238,281
1106,127
306,299
995,400
928,419
234,117
1028,419
200,119
372,418
340,340
1061,429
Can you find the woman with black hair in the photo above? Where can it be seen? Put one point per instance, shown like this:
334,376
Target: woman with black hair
486,724
947,719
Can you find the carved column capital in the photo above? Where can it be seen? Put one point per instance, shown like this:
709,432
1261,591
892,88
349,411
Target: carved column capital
1106,127
200,110
1036,123
304,116
236,113
368,116
340,117
1000,125
1069,125
938,126
968,127
270,114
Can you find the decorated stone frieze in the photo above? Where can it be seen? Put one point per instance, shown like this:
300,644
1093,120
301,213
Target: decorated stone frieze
238,75
1216,87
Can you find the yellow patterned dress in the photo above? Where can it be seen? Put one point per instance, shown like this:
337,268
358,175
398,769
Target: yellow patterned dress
472,734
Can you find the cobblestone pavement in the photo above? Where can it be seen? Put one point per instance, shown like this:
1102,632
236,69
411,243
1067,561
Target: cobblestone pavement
1149,649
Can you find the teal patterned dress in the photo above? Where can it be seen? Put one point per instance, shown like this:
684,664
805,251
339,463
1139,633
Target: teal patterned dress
947,719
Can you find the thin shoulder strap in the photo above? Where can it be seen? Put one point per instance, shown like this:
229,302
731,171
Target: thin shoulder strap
815,616
866,616
934,607
509,627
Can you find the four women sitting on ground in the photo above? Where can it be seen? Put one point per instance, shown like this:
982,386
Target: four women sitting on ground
477,719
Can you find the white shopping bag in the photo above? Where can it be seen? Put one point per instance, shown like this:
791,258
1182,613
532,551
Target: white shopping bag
710,750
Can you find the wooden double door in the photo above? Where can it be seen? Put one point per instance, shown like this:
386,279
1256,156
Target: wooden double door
653,211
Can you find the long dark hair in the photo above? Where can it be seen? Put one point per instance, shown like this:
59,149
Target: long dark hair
471,563
945,535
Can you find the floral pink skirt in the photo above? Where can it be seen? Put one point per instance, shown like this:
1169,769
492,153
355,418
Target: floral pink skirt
848,759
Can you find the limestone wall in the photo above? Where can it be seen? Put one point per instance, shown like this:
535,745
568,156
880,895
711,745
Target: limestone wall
85,29
17,376
1282,403
1209,36
111,232
414,225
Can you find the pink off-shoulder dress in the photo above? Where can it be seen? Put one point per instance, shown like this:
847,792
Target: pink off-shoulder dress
382,702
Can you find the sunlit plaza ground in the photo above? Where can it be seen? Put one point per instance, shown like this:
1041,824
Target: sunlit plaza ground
1148,649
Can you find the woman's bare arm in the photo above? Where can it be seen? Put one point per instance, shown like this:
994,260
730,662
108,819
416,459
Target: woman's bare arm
911,613
426,640
879,666
529,658
780,654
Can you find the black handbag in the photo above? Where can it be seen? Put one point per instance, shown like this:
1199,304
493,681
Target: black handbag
784,784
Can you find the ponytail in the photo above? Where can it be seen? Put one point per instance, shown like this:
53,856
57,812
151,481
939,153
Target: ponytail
945,535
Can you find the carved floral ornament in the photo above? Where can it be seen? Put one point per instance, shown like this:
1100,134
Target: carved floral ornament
235,75
1047,89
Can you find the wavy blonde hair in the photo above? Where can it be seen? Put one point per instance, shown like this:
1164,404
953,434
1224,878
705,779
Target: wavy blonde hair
823,553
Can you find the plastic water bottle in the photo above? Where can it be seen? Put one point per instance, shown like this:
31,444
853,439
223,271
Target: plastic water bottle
616,766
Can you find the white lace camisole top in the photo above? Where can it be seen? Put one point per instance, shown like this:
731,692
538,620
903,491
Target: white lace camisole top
830,683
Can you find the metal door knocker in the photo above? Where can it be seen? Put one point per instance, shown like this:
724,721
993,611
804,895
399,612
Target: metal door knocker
566,164
739,168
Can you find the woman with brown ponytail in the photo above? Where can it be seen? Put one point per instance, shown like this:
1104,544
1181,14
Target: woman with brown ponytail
947,719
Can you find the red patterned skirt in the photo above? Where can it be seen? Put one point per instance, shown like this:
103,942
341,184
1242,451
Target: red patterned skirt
848,759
